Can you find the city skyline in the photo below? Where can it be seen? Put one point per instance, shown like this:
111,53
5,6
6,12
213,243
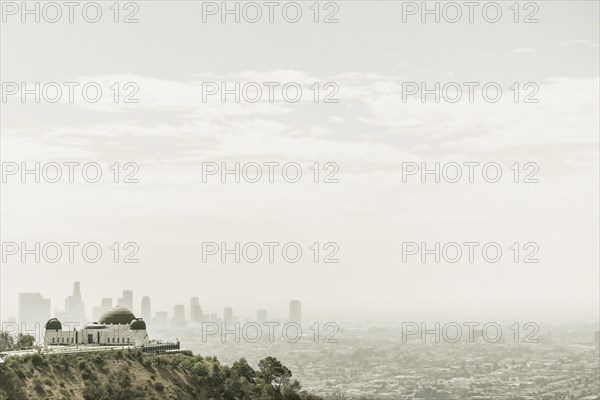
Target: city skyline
34,308
382,317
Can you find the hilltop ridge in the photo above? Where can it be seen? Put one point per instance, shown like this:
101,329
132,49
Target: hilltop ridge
132,375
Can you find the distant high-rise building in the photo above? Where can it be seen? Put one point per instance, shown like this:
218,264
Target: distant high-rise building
198,314
179,312
228,316
261,316
105,305
296,312
193,303
74,307
179,315
33,309
146,310
127,300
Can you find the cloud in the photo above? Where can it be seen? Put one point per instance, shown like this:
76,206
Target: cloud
370,129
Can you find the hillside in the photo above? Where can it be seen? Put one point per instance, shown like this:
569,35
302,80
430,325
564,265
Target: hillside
129,375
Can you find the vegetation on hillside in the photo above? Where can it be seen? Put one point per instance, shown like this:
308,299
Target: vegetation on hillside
130,375
20,341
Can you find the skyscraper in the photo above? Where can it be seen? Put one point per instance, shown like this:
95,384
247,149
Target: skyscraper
193,303
228,316
105,305
198,314
179,312
74,307
127,300
296,312
179,315
146,310
33,309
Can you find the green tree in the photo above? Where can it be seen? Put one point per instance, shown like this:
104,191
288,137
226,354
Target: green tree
242,369
273,372
240,381
7,341
24,341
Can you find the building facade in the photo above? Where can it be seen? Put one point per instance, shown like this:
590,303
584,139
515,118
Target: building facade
116,327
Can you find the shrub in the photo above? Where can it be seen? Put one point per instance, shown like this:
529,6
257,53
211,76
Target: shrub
37,360
159,387
19,371
38,386
86,374
65,363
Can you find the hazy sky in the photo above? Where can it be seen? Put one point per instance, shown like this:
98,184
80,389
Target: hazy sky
369,133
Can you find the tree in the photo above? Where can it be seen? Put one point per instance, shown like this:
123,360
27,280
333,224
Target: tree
24,341
242,369
7,341
291,390
240,380
273,372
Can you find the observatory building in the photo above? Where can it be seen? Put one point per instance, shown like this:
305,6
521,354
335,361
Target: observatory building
116,327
